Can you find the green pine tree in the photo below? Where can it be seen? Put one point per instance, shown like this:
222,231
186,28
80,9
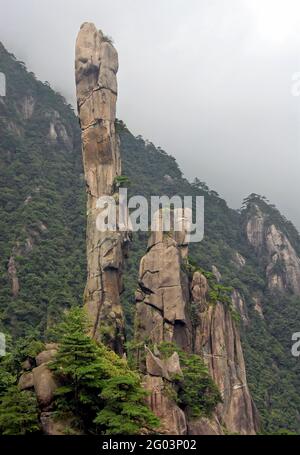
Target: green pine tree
97,386
18,412
124,411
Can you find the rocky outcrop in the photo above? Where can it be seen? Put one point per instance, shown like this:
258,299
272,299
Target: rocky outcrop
239,304
172,307
38,378
26,381
158,382
239,260
257,300
216,273
13,276
172,418
57,133
283,270
27,106
282,264
255,229
96,67
162,316
205,427
44,385
23,249
163,294
45,356
218,341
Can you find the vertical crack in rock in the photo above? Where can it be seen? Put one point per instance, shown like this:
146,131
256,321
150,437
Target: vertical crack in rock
162,316
163,294
275,252
164,301
217,339
96,67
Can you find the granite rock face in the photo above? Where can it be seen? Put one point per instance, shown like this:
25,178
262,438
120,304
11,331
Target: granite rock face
218,341
26,381
239,304
163,294
12,273
282,264
44,385
164,300
172,418
96,66
205,427
162,316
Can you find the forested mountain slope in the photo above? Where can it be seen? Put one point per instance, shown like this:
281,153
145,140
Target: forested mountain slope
42,239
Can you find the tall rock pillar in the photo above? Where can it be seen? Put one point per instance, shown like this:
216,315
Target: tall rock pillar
96,66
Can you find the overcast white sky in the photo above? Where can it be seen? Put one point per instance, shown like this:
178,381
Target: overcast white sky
208,80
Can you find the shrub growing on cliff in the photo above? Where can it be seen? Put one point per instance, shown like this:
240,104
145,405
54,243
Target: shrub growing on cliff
121,181
197,393
97,386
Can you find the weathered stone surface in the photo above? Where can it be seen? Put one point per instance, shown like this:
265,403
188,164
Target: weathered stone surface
57,130
96,67
199,290
172,418
218,341
50,426
45,356
173,365
26,381
163,293
283,271
282,261
155,366
165,368
239,260
51,346
27,106
239,305
87,61
216,273
44,385
54,427
205,426
13,276
255,229
162,314
27,364
258,305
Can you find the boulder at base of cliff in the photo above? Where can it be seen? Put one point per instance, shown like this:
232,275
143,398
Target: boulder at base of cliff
26,381
44,385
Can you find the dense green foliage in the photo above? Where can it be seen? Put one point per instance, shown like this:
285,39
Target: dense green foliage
18,412
42,221
18,409
98,390
196,392
42,226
